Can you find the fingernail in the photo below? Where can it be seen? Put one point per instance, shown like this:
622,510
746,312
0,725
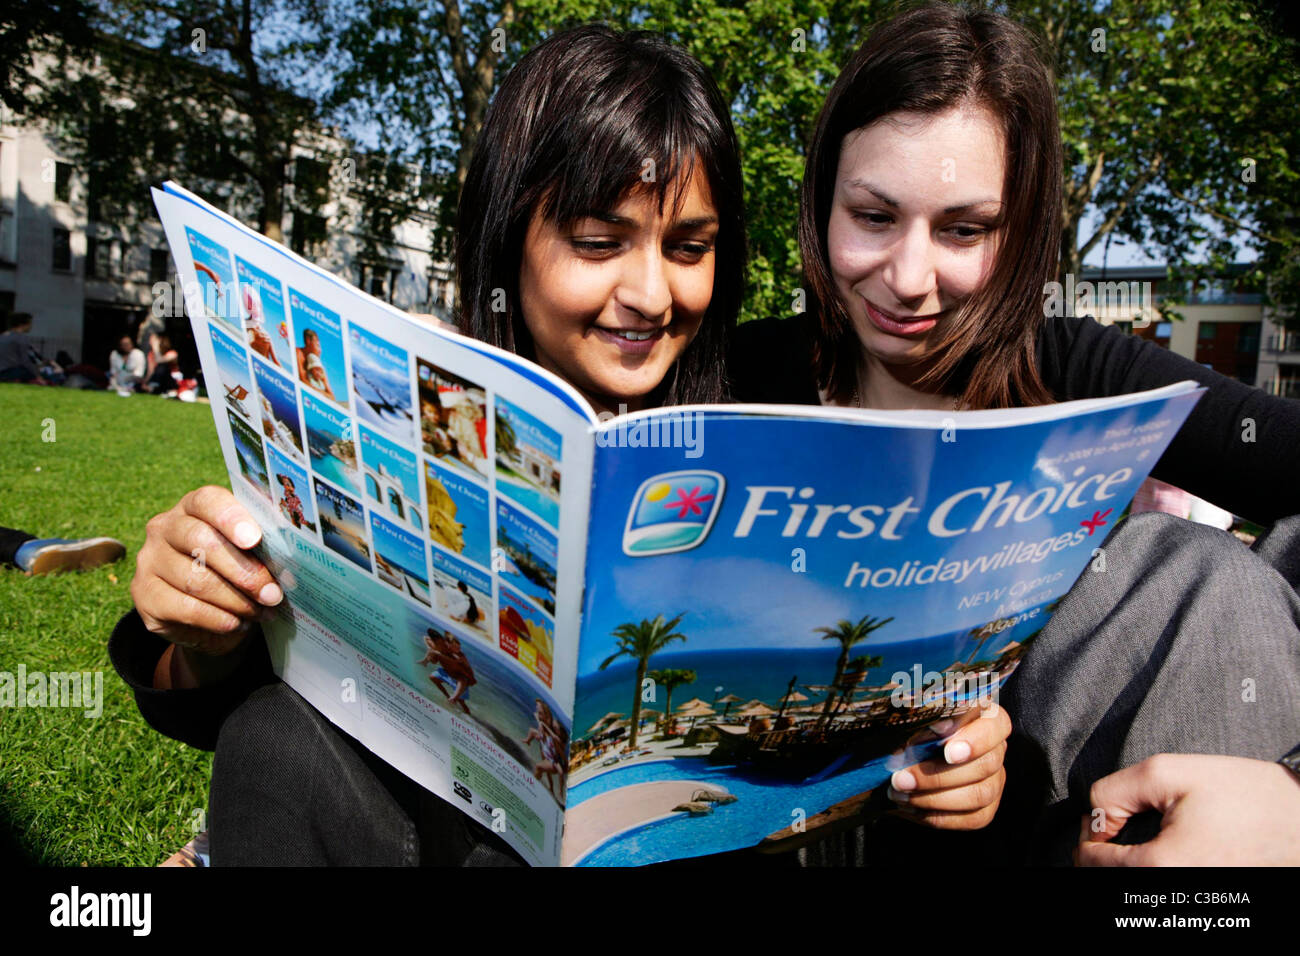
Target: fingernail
246,534
942,726
897,797
903,780
956,751
270,595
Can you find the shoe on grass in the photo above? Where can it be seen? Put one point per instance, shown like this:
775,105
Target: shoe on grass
48,555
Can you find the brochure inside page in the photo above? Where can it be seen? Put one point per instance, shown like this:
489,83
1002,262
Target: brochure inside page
423,501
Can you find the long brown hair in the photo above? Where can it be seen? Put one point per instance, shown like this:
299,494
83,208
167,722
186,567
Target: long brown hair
930,59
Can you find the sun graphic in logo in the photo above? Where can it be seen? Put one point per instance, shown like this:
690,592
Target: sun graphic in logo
658,492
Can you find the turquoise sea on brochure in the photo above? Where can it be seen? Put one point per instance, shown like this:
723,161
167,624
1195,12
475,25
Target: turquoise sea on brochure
950,546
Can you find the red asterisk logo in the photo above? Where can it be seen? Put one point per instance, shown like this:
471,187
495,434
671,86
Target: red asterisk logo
1096,521
688,503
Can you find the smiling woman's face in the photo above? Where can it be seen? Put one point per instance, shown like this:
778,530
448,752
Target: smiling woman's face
912,230
613,300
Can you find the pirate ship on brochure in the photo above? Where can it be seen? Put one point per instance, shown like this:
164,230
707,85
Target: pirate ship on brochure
855,723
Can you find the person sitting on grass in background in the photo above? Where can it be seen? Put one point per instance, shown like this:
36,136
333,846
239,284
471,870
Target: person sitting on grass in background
127,366
164,370
19,360
34,555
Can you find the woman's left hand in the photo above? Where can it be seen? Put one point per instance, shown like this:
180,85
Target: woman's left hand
961,789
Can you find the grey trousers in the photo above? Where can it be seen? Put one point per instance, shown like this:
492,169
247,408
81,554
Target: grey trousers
1187,642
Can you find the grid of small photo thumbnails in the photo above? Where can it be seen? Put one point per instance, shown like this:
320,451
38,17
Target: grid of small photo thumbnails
389,460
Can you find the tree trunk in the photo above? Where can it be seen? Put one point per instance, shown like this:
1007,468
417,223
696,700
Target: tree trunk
1071,261
271,213
636,703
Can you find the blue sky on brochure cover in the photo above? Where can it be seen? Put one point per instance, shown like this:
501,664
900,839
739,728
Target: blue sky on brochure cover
741,592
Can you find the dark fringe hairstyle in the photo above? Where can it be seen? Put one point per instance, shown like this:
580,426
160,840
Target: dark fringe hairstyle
929,59
569,132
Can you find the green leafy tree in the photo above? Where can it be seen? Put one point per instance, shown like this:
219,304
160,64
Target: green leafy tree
669,680
640,641
1180,123
848,634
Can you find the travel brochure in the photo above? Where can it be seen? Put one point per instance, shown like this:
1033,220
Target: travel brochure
618,641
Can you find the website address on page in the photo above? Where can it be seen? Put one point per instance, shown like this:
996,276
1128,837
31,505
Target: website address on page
1203,923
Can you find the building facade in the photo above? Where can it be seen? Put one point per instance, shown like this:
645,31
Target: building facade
87,282
1222,325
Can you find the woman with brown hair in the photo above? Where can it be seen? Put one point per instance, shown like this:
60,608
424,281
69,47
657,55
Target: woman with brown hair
930,225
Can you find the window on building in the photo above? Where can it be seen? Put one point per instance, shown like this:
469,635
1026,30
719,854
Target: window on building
1248,337
62,252
102,259
63,182
311,182
308,234
1207,331
159,265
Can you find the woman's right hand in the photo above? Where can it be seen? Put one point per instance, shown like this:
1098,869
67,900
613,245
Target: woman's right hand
194,584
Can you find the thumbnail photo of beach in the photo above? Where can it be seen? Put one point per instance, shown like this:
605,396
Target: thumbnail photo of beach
476,683
232,371
278,401
331,443
528,556
266,326
526,634
528,461
392,480
248,450
319,348
399,558
342,524
453,419
381,378
291,491
462,594
458,513
216,281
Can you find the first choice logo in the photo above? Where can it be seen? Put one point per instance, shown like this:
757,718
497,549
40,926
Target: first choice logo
672,512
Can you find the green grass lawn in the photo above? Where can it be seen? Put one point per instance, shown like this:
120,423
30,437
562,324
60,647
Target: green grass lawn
74,790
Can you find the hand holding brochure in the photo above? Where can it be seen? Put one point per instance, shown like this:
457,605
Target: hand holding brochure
667,634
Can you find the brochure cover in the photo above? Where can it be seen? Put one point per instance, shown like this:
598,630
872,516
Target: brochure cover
621,641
